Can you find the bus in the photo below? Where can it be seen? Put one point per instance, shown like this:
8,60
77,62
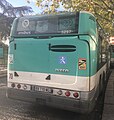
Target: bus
58,60
112,51
112,55
3,55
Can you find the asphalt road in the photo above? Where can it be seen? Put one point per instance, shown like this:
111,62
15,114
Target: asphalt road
19,110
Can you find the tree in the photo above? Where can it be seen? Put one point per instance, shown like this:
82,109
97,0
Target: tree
102,9
10,11
50,6
7,15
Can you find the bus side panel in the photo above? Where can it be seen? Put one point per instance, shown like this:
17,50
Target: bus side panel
112,55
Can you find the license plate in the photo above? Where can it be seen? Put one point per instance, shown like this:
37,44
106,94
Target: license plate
43,89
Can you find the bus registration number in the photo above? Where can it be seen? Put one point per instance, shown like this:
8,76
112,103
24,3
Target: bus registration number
43,89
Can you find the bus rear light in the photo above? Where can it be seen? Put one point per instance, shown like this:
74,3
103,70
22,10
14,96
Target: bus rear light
67,93
60,92
13,85
76,94
24,87
18,86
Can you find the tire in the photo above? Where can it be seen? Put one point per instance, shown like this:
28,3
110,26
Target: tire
101,84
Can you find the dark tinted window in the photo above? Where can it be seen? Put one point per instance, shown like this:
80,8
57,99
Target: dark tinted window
60,24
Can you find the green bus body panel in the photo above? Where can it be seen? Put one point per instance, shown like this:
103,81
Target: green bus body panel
33,55
93,55
112,55
112,51
87,25
11,52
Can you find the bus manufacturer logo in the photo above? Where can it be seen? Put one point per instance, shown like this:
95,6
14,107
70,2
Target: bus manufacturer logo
61,70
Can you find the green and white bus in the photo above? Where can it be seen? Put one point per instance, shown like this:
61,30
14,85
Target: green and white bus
112,55
58,60
112,51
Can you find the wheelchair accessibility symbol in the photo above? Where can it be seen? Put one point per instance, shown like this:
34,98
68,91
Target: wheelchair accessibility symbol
62,60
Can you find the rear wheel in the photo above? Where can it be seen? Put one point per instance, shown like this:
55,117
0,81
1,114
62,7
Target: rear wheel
101,84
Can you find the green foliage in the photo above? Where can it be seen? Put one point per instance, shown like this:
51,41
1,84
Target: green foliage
102,9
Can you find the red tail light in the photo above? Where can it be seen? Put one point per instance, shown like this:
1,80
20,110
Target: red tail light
76,94
67,93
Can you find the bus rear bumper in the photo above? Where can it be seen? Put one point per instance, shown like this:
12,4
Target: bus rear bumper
80,106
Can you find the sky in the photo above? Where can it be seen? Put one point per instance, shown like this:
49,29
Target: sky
18,3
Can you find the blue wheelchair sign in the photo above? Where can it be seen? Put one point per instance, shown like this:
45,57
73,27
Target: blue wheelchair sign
62,60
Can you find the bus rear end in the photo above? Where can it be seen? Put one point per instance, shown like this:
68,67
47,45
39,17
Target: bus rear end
51,69
54,70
